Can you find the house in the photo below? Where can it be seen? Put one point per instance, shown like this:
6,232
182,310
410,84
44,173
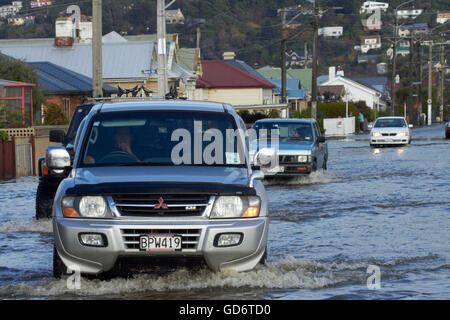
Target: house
329,32
226,83
20,21
370,43
64,87
443,17
298,59
372,24
174,17
413,29
355,90
39,3
296,97
369,59
409,13
303,75
372,6
119,68
10,10
18,98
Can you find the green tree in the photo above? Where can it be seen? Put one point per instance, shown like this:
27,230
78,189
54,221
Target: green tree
53,116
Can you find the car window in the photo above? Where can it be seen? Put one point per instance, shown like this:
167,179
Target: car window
286,130
78,116
390,123
162,138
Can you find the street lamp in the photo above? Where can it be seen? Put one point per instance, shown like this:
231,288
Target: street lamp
394,61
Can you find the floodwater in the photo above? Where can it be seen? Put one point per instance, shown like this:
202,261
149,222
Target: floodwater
388,208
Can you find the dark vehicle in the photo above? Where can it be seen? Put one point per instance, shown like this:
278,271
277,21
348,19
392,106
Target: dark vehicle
447,128
49,179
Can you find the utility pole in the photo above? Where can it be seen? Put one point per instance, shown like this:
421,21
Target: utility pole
430,83
162,49
314,62
394,65
420,84
306,55
441,108
283,55
97,59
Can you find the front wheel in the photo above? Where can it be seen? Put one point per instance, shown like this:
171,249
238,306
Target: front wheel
324,166
59,268
45,194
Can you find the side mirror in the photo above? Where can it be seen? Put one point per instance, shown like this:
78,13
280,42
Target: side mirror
256,175
322,139
57,160
411,126
57,136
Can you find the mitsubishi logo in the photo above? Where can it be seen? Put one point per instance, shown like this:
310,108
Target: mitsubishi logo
161,204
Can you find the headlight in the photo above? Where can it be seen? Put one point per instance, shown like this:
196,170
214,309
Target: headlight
229,207
85,207
376,134
92,207
403,134
304,159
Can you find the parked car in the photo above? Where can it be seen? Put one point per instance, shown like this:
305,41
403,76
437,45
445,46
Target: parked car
389,131
49,179
447,128
301,147
128,200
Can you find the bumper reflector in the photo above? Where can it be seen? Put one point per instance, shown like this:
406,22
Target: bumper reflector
228,239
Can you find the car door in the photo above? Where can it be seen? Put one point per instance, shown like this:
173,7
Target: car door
321,147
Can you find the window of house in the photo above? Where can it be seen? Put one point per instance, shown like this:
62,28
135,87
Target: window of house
66,107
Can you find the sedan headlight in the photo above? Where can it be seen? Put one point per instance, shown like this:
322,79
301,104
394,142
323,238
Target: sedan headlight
229,207
403,134
85,207
376,134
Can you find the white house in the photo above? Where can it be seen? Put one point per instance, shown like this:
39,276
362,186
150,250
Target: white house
355,91
443,17
40,3
10,10
409,13
369,43
371,6
331,32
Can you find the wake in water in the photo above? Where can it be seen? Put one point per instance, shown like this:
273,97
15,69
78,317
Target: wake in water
41,226
286,273
317,177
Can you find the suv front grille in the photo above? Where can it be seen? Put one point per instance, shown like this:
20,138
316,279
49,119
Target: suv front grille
169,205
189,237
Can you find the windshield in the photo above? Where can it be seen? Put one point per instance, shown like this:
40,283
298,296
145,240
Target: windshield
162,138
287,131
390,123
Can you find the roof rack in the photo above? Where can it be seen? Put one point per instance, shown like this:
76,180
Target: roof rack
125,98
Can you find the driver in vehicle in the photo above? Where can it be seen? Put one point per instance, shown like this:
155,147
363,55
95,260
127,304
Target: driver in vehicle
122,143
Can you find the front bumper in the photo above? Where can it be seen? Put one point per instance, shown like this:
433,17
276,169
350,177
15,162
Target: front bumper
198,242
389,140
292,170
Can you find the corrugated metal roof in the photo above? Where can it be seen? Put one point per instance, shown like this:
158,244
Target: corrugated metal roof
304,75
217,74
54,79
120,60
292,86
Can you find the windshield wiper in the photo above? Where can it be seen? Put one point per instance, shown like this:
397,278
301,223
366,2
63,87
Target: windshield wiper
145,164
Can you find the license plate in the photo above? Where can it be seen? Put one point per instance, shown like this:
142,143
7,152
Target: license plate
160,243
274,170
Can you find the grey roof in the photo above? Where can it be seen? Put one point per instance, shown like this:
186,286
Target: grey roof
244,67
121,60
113,37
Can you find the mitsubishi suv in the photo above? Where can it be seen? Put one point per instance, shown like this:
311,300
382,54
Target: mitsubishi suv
155,182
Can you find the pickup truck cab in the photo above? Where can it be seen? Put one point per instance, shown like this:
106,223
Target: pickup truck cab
154,182
301,148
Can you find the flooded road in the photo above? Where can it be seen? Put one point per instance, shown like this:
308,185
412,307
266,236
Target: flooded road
388,208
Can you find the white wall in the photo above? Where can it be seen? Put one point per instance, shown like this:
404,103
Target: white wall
357,93
339,126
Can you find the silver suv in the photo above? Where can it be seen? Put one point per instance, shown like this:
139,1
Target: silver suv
155,182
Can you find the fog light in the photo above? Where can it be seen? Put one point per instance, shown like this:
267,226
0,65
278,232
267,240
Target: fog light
228,239
92,240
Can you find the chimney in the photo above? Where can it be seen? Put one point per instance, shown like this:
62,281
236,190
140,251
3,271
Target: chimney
229,56
331,73
340,72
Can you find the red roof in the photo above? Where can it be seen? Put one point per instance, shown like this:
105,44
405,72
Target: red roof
218,74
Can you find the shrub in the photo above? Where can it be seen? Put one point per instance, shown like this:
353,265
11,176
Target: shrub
53,115
251,118
4,136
